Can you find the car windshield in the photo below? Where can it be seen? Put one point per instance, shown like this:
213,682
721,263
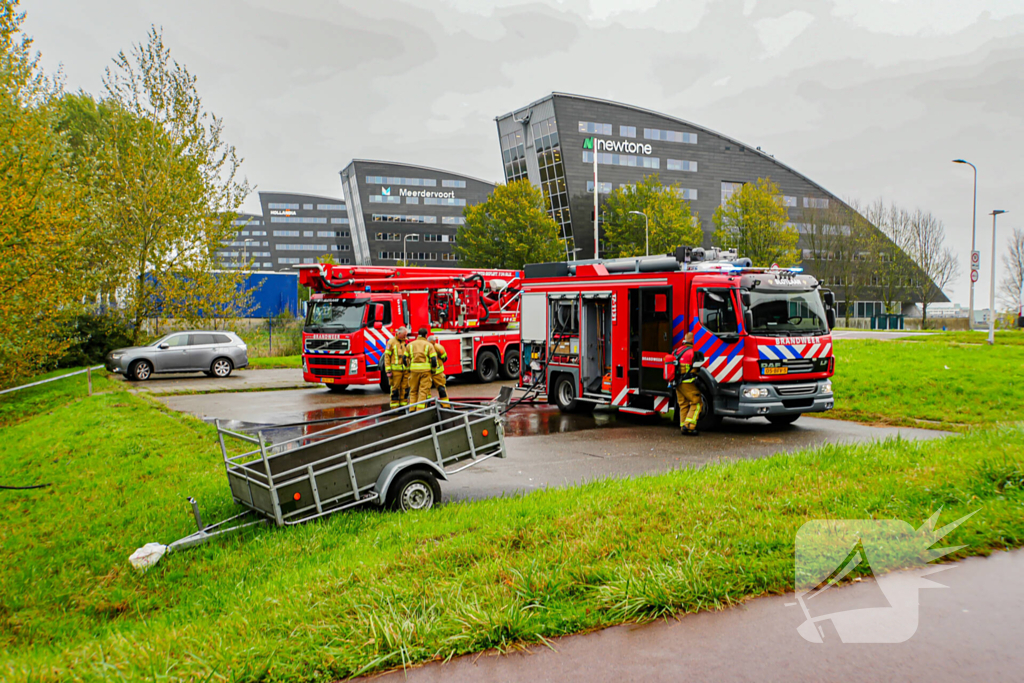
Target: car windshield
783,314
335,316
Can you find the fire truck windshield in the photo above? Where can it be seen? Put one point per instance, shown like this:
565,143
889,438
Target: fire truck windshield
787,314
335,316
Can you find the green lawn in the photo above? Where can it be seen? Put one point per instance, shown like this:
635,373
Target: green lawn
1014,337
943,385
371,590
275,362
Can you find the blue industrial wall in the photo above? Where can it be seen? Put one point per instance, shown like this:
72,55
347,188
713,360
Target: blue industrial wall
274,294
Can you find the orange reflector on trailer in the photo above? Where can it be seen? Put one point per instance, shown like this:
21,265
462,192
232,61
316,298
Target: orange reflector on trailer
485,432
297,495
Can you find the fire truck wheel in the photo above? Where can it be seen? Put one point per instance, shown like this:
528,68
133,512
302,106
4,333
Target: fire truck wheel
414,489
564,394
487,365
510,368
337,388
707,420
783,420
385,386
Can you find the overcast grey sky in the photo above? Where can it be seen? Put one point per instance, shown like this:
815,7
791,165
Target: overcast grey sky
870,98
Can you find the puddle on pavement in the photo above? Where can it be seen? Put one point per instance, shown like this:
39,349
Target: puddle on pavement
521,421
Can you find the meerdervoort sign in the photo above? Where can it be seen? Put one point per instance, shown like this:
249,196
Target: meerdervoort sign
624,146
450,194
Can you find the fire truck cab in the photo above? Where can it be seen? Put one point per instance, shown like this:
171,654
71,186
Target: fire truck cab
601,333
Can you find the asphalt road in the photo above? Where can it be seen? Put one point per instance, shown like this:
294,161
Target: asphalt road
547,448
970,631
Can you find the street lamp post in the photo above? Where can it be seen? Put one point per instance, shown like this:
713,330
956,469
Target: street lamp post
992,284
647,233
405,253
974,222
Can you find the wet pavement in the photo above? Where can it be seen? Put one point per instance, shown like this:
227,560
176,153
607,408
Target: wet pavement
970,631
545,447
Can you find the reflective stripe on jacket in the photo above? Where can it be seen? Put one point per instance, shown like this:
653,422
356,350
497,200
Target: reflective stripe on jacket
420,356
442,358
394,355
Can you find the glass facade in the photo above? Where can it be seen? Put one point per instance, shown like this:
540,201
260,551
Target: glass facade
393,180
552,175
598,128
513,153
680,165
608,159
670,135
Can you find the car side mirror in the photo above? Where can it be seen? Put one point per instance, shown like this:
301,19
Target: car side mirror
164,346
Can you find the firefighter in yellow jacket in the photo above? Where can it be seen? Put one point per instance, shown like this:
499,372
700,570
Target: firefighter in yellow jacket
437,380
688,399
397,369
422,361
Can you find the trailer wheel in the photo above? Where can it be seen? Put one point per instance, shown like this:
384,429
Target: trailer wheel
783,420
487,365
413,489
510,368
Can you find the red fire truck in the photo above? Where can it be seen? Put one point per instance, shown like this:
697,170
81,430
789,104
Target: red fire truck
600,333
355,310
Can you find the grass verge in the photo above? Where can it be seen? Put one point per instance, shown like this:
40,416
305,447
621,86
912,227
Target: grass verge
273,362
1014,337
942,385
367,590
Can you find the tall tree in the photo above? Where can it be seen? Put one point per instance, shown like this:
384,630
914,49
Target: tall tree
508,230
937,265
891,268
170,187
1013,265
671,221
753,220
41,226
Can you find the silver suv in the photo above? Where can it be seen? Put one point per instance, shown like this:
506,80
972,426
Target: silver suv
214,353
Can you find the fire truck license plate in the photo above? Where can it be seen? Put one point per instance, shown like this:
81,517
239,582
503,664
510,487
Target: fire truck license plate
776,371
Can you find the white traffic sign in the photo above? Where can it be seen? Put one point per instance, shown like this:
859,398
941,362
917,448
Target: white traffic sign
975,259
974,275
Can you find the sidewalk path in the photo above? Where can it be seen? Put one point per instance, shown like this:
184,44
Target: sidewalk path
971,631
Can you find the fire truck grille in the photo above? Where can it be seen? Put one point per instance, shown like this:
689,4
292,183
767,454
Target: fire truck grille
795,389
336,345
330,361
799,365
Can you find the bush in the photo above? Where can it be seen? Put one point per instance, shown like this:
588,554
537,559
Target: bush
94,335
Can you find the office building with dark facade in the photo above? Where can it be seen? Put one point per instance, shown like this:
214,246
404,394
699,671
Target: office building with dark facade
552,141
399,211
293,229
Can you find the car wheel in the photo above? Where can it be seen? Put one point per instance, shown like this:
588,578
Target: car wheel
141,370
487,366
414,490
564,394
783,420
221,368
510,368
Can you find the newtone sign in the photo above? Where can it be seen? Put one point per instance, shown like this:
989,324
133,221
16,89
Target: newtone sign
622,146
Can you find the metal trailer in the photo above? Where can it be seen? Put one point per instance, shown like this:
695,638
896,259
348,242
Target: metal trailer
392,459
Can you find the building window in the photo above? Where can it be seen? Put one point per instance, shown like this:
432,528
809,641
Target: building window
307,207
326,233
687,193
787,201
461,184
397,218
552,175
330,207
390,180
670,135
286,260
341,247
384,199
444,201
513,154
429,237
680,165
608,159
339,221
286,233
602,187
627,131
258,233
412,200
447,256
272,205
302,247
297,219
815,203
599,128
453,220
729,189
